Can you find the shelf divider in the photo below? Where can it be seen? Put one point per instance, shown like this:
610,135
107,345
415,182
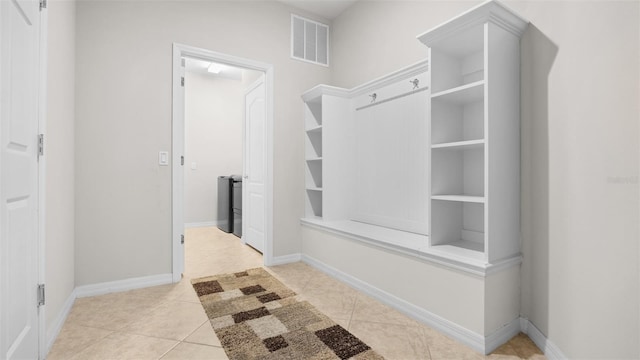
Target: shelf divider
459,198
462,145
467,93
317,129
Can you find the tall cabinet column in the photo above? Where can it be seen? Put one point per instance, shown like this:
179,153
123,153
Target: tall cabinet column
475,134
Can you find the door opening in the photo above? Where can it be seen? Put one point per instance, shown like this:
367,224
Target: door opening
257,151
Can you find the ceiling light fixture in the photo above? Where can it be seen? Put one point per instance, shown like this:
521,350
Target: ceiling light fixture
215,68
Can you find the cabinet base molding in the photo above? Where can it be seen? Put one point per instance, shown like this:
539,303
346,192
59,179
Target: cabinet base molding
482,344
478,342
285,259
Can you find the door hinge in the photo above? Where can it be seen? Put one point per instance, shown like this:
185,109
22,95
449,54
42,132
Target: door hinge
182,160
40,145
43,4
182,81
181,239
40,294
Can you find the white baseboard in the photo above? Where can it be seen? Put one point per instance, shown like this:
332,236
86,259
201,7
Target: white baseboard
285,259
123,285
54,330
495,340
100,289
550,350
201,224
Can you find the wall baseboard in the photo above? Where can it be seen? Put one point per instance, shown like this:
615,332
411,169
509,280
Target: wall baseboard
550,350
495,340
100,289
201,224
54,330
123,285
285,259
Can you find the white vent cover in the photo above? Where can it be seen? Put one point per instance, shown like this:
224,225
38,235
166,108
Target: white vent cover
309,40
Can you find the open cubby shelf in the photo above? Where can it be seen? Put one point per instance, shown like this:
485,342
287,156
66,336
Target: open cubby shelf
314,203
458,222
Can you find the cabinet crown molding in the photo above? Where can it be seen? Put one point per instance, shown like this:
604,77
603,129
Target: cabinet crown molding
317,91
489,11
411,70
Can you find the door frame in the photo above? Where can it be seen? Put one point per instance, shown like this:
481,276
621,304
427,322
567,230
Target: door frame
178,146
42,184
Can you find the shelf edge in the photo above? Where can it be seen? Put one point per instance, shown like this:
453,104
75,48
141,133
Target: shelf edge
460,198
460,88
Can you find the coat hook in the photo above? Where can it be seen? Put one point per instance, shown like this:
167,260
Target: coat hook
373,97
415,83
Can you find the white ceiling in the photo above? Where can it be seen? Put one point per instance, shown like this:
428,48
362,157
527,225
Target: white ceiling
328,9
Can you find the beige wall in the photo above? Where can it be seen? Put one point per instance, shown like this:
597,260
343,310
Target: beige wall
214,115
59,153
580,155
123,111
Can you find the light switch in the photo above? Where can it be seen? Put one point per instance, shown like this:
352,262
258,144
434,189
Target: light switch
194,166
163,158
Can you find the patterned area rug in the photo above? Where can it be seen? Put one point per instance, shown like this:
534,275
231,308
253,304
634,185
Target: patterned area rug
256,317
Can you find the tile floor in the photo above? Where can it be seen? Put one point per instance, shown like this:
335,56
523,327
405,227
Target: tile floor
167,322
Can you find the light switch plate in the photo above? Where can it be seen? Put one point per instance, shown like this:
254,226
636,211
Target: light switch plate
163,158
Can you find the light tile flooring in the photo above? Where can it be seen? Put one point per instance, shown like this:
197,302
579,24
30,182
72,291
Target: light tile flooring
168,322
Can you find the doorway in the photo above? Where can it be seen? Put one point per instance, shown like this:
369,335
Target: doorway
184,58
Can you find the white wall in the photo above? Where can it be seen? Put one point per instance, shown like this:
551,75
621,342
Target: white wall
59,153
580,154
214,116
123,111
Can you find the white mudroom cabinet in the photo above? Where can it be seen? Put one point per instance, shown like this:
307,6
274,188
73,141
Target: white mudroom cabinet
420,169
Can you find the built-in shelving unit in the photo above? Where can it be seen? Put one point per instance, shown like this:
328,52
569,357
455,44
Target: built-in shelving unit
313,155
326,155
419,171
475,134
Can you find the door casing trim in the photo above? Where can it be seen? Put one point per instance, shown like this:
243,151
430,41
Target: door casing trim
178,142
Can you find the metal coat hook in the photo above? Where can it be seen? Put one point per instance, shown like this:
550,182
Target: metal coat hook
373,97
416,83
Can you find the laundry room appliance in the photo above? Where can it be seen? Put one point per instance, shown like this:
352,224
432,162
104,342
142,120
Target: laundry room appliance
225,212
236,204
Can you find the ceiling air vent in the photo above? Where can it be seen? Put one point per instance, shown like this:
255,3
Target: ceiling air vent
309,40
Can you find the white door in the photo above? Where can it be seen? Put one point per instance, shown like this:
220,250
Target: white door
254,173
20,79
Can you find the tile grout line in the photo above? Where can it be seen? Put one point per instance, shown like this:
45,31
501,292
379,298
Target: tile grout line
171,349
355,303
196,329
86,346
